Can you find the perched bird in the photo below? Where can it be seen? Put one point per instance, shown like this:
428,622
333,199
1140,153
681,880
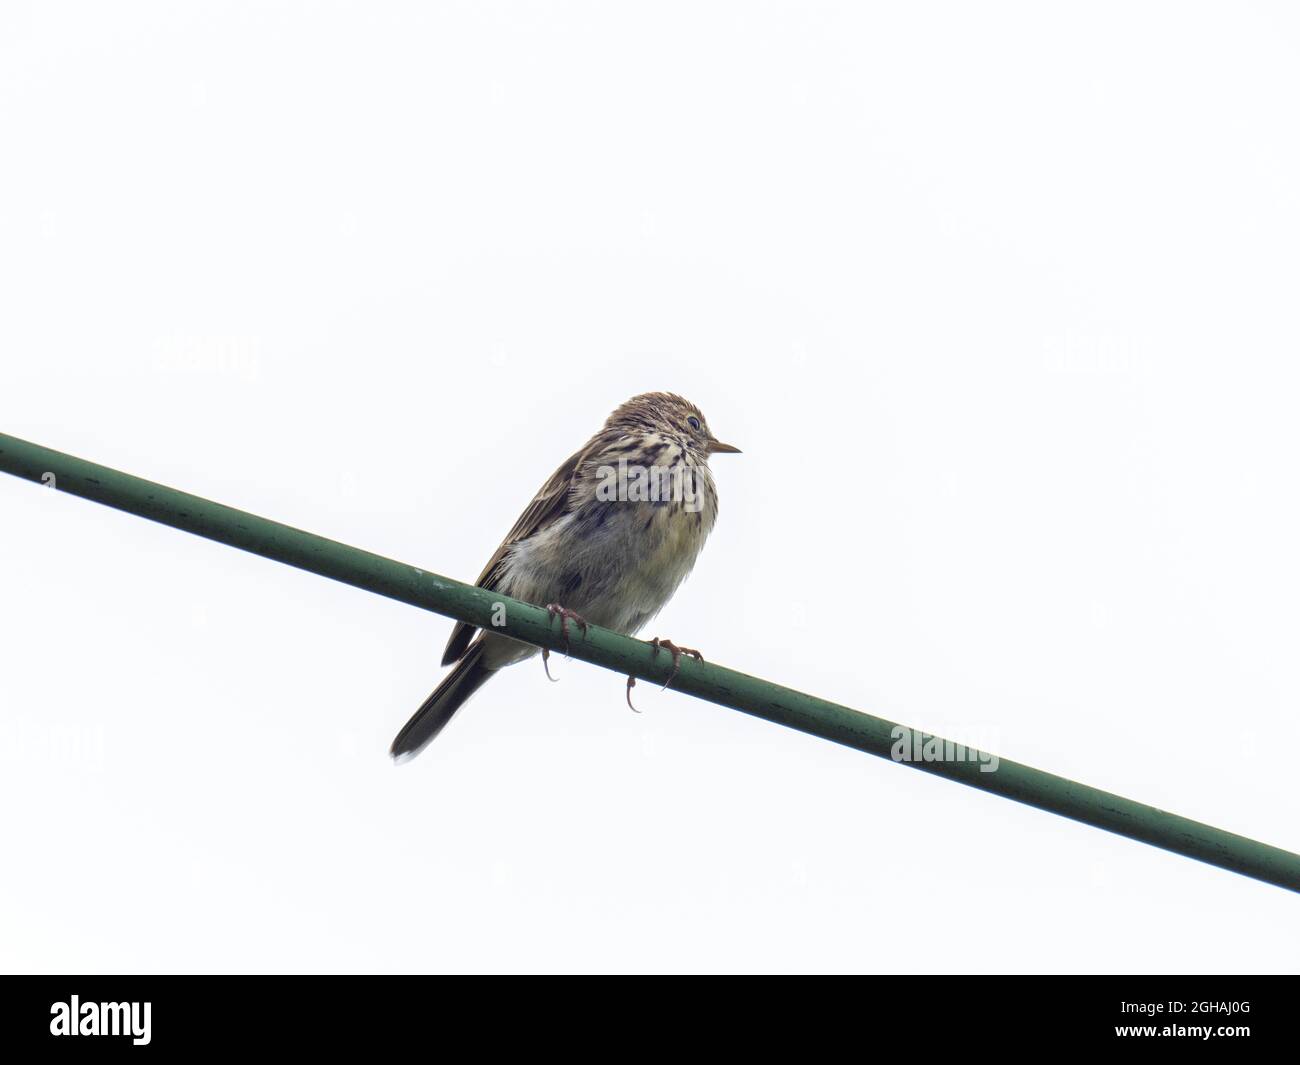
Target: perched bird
606,541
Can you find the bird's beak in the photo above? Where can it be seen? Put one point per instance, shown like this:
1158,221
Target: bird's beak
718,447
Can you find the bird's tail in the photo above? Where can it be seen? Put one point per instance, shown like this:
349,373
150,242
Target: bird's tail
448,697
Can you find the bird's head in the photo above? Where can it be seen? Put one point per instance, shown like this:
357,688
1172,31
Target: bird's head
672,416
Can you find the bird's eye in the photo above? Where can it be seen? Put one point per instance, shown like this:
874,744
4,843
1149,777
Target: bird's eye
693,422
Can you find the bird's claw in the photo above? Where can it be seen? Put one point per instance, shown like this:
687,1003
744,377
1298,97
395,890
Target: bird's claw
657,645
546,655
677,653
565,615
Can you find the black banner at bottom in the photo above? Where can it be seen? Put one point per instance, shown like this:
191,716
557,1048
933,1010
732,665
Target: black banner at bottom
143,1015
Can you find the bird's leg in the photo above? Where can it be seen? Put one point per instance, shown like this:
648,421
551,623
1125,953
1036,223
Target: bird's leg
656,645
566,615
677,653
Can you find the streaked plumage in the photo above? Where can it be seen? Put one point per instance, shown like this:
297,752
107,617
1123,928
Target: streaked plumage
615,561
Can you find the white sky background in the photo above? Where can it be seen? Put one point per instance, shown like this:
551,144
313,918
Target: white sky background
1000,304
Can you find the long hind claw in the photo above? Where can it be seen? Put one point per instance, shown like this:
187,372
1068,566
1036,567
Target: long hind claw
677,653
546,655
631,683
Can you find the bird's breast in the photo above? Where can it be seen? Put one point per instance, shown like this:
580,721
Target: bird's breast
616,561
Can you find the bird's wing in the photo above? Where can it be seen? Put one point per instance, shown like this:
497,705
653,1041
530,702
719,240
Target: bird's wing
547,506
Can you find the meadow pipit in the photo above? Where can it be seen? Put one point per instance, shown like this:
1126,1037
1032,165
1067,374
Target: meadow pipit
607,540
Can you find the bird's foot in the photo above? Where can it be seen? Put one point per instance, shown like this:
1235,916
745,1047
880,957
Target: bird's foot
565,615
658,645
546,657
677,652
